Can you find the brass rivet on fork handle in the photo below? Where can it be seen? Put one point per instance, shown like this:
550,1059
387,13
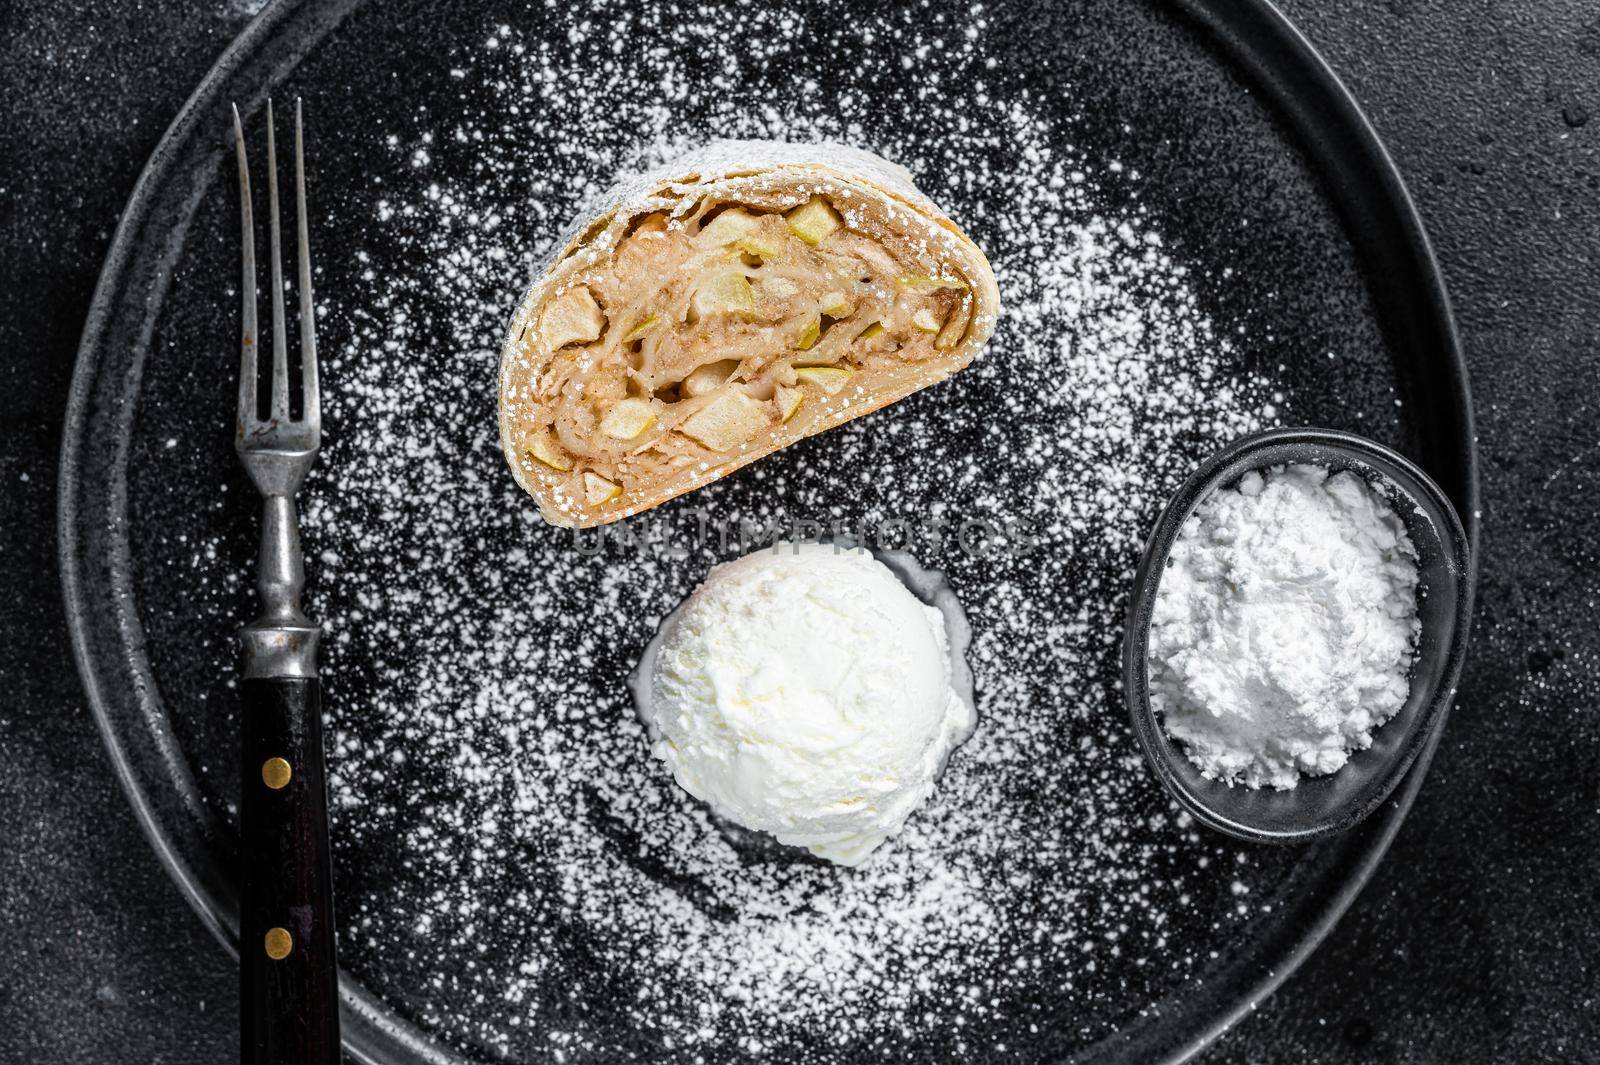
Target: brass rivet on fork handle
276,773
278,943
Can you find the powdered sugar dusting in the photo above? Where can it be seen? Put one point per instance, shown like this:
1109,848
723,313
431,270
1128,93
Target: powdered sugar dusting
478,660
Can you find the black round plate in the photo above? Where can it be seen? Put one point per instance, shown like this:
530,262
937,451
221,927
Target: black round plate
1255,165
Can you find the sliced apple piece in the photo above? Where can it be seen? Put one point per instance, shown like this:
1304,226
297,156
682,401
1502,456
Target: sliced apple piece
926,321
788,400
762,246
815,221
597,490
834,304
727,421
766,240
829,378
627,419
875,329
573,318
924,284
808,336
708,378
641,327
727,228
727,292
544,448
954,329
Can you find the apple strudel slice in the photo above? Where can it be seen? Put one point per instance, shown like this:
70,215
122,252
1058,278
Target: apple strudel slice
723,307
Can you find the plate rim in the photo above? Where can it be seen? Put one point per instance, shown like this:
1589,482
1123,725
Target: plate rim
1253,33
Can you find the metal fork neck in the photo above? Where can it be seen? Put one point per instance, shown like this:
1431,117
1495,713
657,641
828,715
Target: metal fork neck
281,641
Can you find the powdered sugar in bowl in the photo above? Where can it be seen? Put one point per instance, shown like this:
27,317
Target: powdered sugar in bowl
1436,567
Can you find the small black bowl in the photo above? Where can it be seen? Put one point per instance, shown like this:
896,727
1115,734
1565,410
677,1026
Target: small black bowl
1319,806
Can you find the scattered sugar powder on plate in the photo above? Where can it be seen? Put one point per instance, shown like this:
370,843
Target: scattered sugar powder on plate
575,900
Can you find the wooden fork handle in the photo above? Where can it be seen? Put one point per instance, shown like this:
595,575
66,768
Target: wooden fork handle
288,972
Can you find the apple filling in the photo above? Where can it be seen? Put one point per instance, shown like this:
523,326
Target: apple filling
707,334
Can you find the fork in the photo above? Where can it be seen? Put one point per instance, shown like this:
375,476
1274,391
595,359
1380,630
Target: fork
289,991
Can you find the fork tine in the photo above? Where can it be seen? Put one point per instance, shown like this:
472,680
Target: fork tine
310,387
280,347
247,337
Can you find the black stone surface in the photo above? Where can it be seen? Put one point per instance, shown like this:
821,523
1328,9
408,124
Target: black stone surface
1477,941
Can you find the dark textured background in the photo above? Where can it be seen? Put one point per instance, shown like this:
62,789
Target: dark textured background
1478,939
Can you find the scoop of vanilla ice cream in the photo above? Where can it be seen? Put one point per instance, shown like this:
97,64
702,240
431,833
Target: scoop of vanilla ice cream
804,692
